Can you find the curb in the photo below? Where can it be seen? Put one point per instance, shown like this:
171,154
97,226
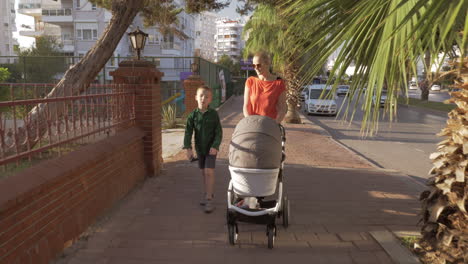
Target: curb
427,110
326,133
225,102
360,156
393,247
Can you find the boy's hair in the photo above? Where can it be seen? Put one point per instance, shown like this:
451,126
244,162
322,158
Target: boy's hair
263,56
204,88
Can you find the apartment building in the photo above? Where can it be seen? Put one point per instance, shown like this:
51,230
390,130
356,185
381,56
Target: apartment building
78,24
7,27
228,38
205,31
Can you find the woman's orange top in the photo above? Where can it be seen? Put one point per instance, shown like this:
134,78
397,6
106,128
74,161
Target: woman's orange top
264,96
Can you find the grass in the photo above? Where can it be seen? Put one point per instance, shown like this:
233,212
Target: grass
408,241
427,104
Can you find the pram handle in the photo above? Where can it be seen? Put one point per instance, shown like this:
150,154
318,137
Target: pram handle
283,132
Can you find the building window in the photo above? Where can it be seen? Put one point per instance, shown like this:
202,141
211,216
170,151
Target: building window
154,39
86,31
78,4
93,7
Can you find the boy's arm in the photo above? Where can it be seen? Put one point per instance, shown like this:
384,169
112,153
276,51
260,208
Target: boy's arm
188,132
218,134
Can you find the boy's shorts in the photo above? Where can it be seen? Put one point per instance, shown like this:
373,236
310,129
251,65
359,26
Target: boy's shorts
206,161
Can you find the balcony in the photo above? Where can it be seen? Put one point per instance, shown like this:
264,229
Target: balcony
57,16
171,48
68,45
31,33
29,7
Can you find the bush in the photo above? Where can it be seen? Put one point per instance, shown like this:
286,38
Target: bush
169,116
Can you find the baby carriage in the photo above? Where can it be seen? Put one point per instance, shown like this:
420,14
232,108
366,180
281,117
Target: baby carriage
256,156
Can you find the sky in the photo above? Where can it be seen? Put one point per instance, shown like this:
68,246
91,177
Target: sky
20,20
25,42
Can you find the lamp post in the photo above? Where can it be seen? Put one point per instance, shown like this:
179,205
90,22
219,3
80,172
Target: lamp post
138,40
194,68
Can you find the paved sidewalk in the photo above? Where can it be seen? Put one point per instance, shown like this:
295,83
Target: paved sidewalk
336,199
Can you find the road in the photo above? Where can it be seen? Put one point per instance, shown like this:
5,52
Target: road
403,145
435,96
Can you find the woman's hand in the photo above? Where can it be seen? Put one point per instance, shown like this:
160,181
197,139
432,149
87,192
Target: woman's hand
213,151
245,108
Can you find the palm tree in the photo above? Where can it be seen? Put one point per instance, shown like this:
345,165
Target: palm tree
265,31
385,39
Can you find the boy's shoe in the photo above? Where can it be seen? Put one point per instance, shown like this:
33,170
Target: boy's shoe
203,201
209,207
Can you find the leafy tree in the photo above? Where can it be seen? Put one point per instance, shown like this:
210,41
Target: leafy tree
42,63
385,39
4,74
226,61
15,70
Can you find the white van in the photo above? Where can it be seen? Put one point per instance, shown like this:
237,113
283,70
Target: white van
314,105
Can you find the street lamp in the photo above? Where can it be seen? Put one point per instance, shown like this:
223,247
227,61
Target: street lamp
194,68
138,40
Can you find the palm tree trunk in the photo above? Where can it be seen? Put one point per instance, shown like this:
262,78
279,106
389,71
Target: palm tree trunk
293,88
426,85
79,76
444,205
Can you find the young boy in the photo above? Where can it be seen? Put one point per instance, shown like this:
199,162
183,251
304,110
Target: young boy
208,133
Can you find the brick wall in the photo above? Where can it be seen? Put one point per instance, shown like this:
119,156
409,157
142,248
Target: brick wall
44,208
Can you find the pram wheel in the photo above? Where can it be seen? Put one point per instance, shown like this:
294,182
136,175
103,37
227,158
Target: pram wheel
271,233
285,212
232,231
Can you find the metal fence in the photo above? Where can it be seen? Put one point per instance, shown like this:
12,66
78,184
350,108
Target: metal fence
47,69
33,128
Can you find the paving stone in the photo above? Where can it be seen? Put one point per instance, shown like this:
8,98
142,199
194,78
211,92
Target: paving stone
367,245
332,209
364,257
351,236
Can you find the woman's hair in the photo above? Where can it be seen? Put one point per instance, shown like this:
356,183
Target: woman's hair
204,88
263,56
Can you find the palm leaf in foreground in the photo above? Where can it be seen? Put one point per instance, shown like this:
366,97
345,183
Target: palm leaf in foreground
385,39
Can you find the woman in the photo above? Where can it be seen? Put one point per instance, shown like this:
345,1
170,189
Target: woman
266,94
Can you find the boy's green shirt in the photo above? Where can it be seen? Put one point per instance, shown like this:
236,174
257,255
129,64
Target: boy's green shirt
208,131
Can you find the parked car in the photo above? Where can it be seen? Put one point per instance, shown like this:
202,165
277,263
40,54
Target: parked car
342,90
383,99
413,86
304,93
435,87
315,105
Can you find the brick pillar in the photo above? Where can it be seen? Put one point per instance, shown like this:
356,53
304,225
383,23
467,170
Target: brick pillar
144,80
190,86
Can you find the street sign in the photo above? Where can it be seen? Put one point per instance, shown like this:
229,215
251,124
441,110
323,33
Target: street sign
249,68
246,62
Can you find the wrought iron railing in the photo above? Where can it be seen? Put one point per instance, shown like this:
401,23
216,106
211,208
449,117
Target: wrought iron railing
32,123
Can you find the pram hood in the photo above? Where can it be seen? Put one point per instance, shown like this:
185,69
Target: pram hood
256,143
